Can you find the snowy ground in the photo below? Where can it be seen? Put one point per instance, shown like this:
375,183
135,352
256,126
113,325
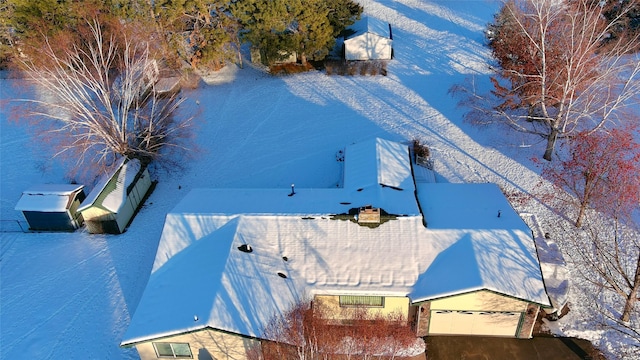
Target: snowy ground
72,295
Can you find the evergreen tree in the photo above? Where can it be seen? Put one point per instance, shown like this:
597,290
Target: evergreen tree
341,14
201,32
6,37
306,27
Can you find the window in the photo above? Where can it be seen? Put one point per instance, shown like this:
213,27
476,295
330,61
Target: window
365,301
173,350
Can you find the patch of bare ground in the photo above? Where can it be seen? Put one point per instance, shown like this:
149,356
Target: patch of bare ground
289,68
352,68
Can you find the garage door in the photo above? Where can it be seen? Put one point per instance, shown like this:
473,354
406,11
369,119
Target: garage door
474,323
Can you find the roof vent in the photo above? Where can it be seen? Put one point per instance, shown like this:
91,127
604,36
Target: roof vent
245,248
369,215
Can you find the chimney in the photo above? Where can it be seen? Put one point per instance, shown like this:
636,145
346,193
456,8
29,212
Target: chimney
369,215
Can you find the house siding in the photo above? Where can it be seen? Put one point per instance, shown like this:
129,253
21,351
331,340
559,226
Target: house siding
134,199
99,220
498,315
205,344
49,221
479,301
330,305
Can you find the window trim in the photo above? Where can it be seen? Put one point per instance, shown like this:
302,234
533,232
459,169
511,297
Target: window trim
174,356
361,301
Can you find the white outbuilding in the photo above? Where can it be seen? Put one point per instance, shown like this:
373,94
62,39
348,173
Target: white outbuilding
371,39
52,207
111,205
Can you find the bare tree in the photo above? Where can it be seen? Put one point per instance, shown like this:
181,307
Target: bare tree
304,332
601,171
607,255
555,76
102,100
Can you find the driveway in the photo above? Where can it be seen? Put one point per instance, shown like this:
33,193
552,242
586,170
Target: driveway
481,348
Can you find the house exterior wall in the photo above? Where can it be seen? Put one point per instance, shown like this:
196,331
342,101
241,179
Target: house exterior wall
204,344
422,319
530,317
368,46
330,305
49,221
479,301
477,313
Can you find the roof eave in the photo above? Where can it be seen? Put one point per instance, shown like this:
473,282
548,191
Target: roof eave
471,290
142,339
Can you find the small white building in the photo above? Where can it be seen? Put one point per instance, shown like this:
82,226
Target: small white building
371,40
110,206
52,207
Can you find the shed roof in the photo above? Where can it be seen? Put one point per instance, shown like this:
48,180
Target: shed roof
110,192
372,25
47,197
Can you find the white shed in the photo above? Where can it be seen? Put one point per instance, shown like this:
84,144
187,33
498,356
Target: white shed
114,200
52,207
371,40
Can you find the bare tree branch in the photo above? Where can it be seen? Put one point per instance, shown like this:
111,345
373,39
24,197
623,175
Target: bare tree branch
103,101
558,72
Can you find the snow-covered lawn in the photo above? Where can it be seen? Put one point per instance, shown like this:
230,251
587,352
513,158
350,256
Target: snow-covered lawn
71,295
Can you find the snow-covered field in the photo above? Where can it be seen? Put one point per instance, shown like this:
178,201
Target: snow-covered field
71,295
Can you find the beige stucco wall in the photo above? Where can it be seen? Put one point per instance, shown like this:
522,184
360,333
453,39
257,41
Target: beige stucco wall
479,301
330,305
94,212
205,344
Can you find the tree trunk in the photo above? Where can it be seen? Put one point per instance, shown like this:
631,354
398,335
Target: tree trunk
583,207
551,144
633,294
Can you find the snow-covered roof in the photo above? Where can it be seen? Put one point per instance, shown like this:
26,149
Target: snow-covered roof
377,162
368,24
167,85
111,190
491,232
47,197
200,271
304,202
503,261
467,206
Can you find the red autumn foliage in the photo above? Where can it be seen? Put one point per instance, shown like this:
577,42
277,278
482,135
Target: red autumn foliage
554,76
602,171
311,333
